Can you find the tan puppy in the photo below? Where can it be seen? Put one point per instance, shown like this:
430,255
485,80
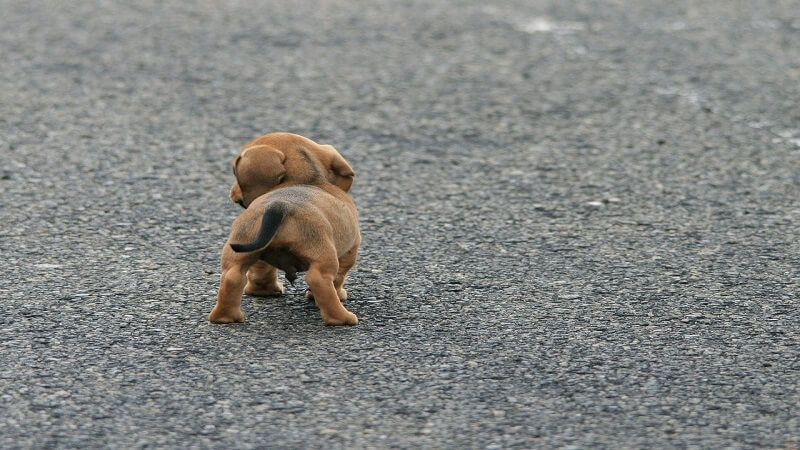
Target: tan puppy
293,227
282,158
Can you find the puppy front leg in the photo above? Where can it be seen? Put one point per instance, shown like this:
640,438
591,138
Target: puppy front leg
262,281
320,281
229,299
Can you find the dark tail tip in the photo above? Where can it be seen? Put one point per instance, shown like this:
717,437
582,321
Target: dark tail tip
239,248
272,219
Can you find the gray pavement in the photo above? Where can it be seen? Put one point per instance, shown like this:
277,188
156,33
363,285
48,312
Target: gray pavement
580,224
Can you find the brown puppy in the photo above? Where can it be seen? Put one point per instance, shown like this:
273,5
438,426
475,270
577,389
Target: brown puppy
282,158
295,227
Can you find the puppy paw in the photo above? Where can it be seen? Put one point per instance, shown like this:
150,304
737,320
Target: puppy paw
342,293
219,316
258,290
346,319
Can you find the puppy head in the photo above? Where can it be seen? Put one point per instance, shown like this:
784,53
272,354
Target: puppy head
283,158
257,170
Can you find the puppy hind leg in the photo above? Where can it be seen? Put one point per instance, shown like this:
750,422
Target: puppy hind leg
229,299
262,281
346,262
320,278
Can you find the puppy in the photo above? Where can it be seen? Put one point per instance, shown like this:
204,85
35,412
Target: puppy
307,224
275,159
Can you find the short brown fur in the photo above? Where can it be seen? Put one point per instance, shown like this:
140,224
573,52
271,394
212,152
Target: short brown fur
318,233
278,158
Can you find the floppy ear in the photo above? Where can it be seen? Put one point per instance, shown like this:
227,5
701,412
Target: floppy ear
260,155
235,163
339,170
259,169
344,174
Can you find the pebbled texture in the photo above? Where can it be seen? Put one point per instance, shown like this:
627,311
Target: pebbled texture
580,224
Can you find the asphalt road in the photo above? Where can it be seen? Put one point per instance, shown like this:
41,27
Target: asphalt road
580,224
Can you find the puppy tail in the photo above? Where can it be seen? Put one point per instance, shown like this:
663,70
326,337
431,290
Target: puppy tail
272,219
